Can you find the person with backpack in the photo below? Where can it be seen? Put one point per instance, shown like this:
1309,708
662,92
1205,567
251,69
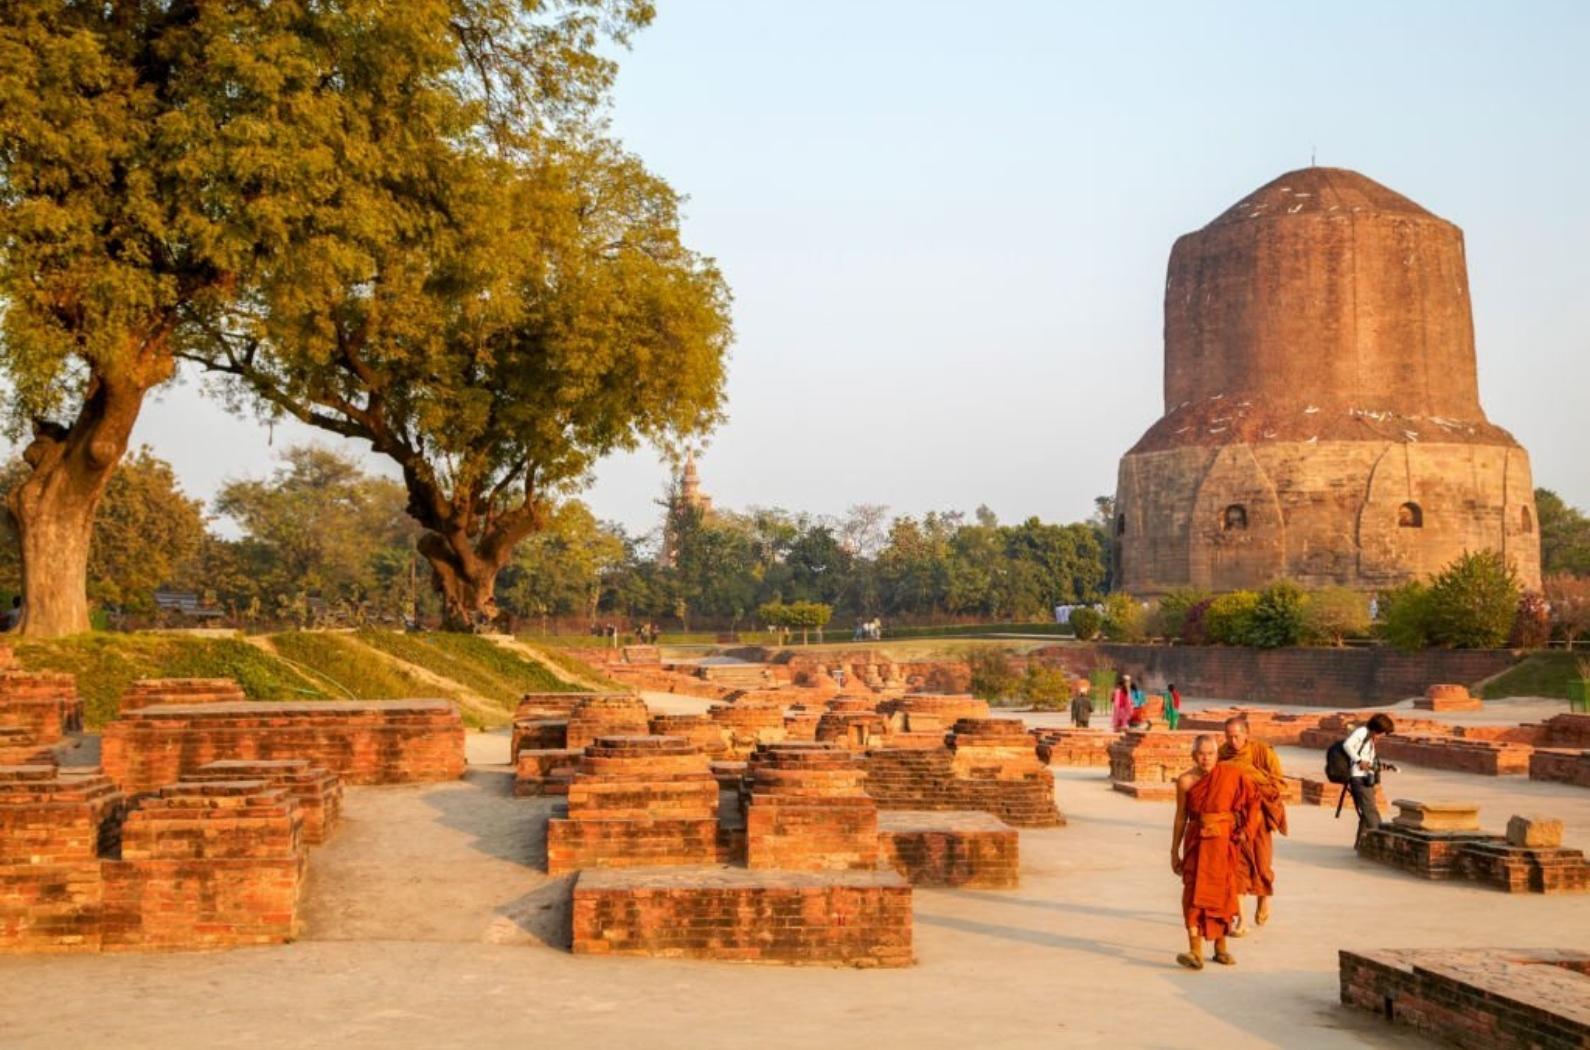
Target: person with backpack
1352,762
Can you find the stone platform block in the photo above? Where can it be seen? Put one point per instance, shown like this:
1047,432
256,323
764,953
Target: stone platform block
932,848
1445,815
854,918
1535,832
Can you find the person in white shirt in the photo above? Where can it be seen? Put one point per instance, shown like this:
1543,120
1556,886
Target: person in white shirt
1360,747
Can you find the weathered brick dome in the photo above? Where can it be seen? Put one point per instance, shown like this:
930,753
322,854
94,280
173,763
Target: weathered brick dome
1322,416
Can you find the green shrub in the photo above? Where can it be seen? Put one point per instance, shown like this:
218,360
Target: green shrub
1279,616
1123,618
1169,618
1473,602
1086,623
1101,682
993,676
1229,618
1405,616
1046,688
1334,614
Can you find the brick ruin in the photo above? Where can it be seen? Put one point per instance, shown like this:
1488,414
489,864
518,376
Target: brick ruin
1523,999
806,810
37,711
1447,697
363,741
1443,842
970,850
217,863
989,764
146,692
1557,749
1074,747
1145,765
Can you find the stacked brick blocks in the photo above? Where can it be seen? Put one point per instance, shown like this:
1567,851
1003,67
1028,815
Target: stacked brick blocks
318,792
1074,747
596,716
1444,842
1529,999
53,830
858,918
991,766
363,742
807,810
950,849
44,704
146,692
748,723
637,801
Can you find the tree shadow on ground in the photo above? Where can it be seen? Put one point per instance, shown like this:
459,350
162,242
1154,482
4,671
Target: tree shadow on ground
504,827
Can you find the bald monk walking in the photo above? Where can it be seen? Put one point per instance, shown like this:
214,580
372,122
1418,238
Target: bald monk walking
1214,803
1258,762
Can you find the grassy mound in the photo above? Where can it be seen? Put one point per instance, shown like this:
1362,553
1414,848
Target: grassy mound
105,664
476,663
351,668
1543,674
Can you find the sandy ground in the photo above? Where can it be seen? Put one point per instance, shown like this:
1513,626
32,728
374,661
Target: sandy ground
429,923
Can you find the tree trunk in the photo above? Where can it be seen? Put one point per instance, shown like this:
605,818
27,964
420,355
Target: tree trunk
53,509
466,581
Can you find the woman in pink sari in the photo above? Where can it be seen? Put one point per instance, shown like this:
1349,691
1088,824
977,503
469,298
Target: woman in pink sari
1121,703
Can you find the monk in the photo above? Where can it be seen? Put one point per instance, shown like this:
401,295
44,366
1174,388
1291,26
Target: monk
1214,803
1258,762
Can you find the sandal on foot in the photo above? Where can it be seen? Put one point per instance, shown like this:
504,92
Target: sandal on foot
1262,917
1192,962
1238,929
1225,959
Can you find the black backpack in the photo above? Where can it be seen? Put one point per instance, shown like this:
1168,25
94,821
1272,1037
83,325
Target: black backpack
1338,763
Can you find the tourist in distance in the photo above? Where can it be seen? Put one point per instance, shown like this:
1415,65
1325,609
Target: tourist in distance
1366,768
1214,806
1257,761
1121,703
1081,709
1172,707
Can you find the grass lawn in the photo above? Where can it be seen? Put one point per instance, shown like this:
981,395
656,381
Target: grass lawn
1543,674
490,670
344,662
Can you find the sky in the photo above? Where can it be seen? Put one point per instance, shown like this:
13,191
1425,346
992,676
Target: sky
946,225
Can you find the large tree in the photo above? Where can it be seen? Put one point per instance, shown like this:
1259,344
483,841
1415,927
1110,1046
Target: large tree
542,314
162,161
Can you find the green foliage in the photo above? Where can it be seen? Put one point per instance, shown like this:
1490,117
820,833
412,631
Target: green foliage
1473,602
1229,618
1334,614
994,677
1569,596
1169,617
105,664
1405,615
1101,682
561,570
1123,618
1045,688
1564,535
1280,616
1086,623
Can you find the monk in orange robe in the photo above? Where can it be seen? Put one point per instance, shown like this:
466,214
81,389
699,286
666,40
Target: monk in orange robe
1214,803
1258,762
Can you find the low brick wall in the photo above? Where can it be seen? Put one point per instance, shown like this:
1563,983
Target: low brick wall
363,742
950,849
45,703
852,918
318,792
1316,677
925,778
1485,757
1476,998
1474,856
1561,766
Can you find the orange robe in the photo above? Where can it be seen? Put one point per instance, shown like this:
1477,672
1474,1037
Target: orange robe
1258,762
1219,806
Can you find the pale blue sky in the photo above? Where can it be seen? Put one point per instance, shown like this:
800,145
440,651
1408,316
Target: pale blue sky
946,224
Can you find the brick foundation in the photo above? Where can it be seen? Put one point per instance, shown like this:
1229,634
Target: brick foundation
860,918
806,810
950,849
146,692
1528,999
599,715
1146,765
1561,766
544,771
1074,747
1484,757
1474,856
45,703
926,779
363,742
748,723
636,801
1448,697
1272,727
1366,677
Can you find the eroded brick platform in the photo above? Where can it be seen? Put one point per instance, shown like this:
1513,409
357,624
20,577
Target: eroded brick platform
748,723
544,771
1444,843
636,801
1146,765
363,742
1477,998
967,849
929,779
1272,727
1074,747
44,703
1448,697
606,714
318,792
852,918
706,735
1560,766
